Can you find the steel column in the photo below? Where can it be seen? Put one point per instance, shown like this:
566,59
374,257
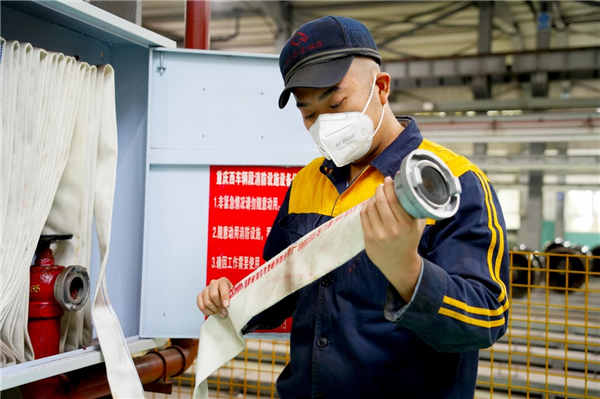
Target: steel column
539,79
559,226
544,25
480,149
484,40
197,21
530,232
481,84
559,221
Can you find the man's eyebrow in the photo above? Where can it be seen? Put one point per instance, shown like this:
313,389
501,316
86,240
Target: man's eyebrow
322,97
328,92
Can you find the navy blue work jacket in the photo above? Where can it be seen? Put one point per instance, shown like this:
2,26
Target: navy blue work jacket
353,336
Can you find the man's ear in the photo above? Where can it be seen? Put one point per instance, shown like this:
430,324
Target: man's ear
383,82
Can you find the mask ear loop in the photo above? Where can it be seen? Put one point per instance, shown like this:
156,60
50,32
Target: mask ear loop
380,119
369,101
370,95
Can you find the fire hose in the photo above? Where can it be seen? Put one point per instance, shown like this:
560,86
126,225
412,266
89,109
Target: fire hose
58,167
424,186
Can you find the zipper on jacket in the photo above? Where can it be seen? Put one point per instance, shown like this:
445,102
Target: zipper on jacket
347,188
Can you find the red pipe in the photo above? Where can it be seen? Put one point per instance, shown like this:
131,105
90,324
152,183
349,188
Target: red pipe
197,21
91,382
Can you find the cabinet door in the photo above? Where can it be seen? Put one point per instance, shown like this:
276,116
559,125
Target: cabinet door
207,111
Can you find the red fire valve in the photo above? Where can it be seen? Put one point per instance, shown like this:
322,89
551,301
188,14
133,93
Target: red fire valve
53,290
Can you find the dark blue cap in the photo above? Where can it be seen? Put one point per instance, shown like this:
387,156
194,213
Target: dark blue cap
320,53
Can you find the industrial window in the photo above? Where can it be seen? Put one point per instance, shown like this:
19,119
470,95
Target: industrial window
510,201
582,211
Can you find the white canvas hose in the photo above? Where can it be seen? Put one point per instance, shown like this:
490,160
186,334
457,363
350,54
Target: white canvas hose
37,137
314,255
59,157
71,211
121,372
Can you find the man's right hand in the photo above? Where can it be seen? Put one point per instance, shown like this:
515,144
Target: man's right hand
214,299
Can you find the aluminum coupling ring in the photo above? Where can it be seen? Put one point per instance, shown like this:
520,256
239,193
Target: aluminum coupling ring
72,288
426,187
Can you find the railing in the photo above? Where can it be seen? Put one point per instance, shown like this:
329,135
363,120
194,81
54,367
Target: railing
551,348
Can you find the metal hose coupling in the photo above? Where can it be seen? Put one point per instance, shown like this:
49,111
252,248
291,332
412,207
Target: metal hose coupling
72,288
426,187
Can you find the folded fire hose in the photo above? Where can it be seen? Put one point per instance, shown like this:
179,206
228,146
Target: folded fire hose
426,189
59,160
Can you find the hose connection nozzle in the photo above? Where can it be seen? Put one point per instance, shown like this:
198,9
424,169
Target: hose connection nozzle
426,187
72,288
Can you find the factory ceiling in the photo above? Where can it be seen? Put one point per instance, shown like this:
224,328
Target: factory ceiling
522,49
402,29
451,59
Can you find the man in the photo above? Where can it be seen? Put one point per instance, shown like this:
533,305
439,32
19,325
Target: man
406,317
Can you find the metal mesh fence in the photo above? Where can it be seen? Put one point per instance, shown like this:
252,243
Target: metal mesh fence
551,348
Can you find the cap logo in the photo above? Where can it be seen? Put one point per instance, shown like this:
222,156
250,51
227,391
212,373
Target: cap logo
298,38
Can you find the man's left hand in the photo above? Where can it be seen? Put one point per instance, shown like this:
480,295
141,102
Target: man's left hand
392,239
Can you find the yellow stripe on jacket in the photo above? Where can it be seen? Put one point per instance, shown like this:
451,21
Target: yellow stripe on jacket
313,192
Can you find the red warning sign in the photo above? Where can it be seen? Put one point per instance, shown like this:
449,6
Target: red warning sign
244,201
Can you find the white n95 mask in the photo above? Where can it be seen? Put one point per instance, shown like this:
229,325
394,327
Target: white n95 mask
345,137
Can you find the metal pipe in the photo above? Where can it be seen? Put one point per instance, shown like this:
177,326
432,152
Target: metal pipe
566,264
226,38
91,382
528,103
525,271
425,24
197,21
